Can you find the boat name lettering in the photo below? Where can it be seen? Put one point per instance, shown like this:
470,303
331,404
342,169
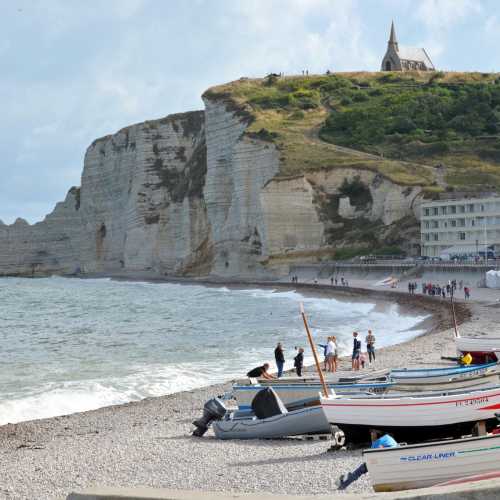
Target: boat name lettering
475,401
472,373
430,456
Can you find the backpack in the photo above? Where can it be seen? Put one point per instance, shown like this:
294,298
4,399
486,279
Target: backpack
357,345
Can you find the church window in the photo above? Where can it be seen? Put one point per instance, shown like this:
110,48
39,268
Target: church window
388,65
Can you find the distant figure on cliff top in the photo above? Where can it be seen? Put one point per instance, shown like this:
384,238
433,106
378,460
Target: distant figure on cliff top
260,372
399,58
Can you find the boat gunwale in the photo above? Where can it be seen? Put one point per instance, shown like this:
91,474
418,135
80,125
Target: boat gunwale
432,443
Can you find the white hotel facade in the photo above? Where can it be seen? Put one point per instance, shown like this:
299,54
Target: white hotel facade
470,225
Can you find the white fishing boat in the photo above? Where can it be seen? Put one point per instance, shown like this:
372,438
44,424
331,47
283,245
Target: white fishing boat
426,412
445,376
428,464
293,393
478,345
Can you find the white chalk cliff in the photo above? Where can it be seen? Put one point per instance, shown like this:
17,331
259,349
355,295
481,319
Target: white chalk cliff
192,194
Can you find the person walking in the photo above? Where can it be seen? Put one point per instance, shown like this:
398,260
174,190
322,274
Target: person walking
356,351
370,346
280,359
298,362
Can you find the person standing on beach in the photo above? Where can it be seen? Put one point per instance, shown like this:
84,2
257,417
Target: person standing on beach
330,353
356,350
335,354
370,345
280,359
298,362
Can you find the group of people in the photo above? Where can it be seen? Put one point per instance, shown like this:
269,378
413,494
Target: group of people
437,290
330,350
359,358
335,281
298,360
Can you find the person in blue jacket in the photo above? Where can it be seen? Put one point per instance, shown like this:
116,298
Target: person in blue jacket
386,441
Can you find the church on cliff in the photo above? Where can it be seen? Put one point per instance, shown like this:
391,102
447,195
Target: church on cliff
400,58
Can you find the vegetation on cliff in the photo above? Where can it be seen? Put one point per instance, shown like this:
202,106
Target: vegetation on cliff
437,130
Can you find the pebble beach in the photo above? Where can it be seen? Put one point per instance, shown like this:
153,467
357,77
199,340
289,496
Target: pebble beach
149,443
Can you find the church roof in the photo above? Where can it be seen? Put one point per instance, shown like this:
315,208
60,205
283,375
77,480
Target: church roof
415,54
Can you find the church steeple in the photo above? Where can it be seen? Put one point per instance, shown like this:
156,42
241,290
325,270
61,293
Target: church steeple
393,41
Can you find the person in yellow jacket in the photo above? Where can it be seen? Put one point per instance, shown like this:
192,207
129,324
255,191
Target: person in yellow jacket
466,359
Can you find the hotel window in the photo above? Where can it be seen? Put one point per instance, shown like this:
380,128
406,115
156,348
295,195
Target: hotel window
470,207
435,236
481,207
461,209
426,224
435,224
443,210
435,211
453,209
461,236
461,222
426,237
453,223
427,211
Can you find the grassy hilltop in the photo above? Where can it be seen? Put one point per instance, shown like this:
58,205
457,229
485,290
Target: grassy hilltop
437,130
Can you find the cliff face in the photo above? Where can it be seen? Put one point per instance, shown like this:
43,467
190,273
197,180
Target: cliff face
140,207
214,193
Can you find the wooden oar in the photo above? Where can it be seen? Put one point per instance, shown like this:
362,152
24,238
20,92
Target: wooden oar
315,354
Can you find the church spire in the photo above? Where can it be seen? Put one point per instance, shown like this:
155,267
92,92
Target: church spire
393,41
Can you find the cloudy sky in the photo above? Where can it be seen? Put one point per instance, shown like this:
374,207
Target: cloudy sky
72,71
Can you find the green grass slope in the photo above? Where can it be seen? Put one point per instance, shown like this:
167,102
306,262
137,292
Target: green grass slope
406,126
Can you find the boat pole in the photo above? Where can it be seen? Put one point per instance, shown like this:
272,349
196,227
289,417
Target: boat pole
457,335
315,354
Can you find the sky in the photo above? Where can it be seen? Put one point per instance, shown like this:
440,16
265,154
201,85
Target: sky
72,71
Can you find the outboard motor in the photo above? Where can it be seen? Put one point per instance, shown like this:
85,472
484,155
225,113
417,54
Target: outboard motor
213,409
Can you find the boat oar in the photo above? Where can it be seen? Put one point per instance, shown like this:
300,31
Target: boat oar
315,354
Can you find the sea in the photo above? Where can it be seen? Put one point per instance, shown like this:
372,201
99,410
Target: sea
69,345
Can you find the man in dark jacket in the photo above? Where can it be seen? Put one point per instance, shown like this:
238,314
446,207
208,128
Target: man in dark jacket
280,359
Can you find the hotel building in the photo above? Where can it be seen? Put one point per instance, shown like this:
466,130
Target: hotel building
465,227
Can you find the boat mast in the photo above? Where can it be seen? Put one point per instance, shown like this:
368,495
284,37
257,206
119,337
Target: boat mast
315,354
457,335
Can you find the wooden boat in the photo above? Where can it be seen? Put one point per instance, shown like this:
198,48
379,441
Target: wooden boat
443,374
478,347
292,393
409,415
340,377
245,425
428,464
450,378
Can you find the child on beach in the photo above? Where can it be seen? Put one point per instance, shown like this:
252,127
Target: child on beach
363,358
298,362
